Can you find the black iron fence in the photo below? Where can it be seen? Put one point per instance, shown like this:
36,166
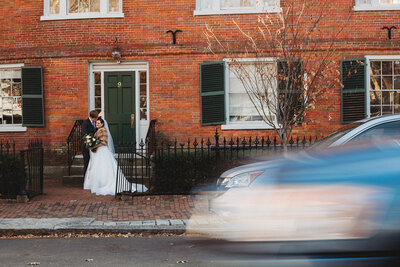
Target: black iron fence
21,172
175,167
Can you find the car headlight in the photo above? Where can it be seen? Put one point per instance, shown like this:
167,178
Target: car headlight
240,180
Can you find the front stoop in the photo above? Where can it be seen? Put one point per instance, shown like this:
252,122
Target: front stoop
76,179
73,180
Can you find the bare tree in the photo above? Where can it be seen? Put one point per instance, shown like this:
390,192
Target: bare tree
294,62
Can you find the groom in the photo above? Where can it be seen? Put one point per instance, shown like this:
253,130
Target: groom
88,126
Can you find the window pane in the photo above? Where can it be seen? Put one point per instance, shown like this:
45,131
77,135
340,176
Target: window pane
97,78
114,6
375,98
376,83
73,6
143,90
97,90
97,101
236,3
387,82
396,84
375,68
16,87
5,87
387,67
7,102
206,4
84,6
54,6
396,98
386,98
94,5
375,111
17,103
17,118
387,110
7,117
396,67
143,77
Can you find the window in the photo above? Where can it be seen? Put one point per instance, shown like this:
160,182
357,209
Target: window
143,95
377,5
21,97
10,97
75,9
211,7
384,87
224,99
241,109
97,91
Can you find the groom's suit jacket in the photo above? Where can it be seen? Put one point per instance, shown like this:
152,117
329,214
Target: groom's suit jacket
87,127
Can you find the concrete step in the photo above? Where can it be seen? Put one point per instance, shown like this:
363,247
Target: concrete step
73,180
77,180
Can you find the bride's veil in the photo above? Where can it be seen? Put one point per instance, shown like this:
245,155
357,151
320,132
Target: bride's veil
110,139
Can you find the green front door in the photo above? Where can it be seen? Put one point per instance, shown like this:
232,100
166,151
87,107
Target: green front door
119,90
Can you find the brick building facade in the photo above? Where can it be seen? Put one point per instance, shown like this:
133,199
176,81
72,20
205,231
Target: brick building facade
72,42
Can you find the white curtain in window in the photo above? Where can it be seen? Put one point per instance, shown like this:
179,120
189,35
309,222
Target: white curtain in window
237,3
54,6
240,105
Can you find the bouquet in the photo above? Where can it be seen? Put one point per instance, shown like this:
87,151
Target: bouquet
90,141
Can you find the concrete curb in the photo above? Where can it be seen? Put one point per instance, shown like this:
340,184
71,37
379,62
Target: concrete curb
88,225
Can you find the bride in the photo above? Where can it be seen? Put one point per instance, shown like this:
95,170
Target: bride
101,173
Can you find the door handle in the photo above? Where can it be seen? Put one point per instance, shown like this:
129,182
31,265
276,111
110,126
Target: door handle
132,121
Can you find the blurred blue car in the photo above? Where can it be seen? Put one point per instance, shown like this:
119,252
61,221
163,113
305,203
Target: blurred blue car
345,199
383,127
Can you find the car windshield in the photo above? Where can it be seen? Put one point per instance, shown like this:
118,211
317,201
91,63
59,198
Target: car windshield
331,138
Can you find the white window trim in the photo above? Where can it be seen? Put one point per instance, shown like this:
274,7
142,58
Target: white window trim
375,5
64,15
242,125
368,76
216,9
12,127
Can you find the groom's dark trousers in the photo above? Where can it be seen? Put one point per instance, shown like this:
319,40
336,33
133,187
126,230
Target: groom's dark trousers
87,128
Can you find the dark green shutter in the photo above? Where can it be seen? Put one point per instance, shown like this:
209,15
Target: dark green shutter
32,96
212,90
353,92
292,88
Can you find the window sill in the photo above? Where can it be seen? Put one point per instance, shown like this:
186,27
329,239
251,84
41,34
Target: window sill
376,8
237,11
12,128
82,16
246,126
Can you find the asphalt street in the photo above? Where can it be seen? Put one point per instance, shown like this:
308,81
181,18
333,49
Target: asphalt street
153,251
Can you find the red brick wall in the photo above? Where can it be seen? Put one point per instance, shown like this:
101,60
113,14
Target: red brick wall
64,47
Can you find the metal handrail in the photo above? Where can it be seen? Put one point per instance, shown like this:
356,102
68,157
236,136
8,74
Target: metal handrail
151,137
74,142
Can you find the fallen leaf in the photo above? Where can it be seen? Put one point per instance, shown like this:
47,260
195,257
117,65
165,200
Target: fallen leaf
171,244
89,260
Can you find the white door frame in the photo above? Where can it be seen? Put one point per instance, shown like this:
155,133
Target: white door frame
133,66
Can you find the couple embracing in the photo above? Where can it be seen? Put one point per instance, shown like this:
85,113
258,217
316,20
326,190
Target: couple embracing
100,166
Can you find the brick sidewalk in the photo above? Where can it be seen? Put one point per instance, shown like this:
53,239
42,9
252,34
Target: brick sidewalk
71,202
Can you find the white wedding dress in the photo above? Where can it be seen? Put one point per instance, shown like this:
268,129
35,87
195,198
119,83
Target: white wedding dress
101,173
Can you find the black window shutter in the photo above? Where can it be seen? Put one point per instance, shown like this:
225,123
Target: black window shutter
292,85
353,92
32,97
212,90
